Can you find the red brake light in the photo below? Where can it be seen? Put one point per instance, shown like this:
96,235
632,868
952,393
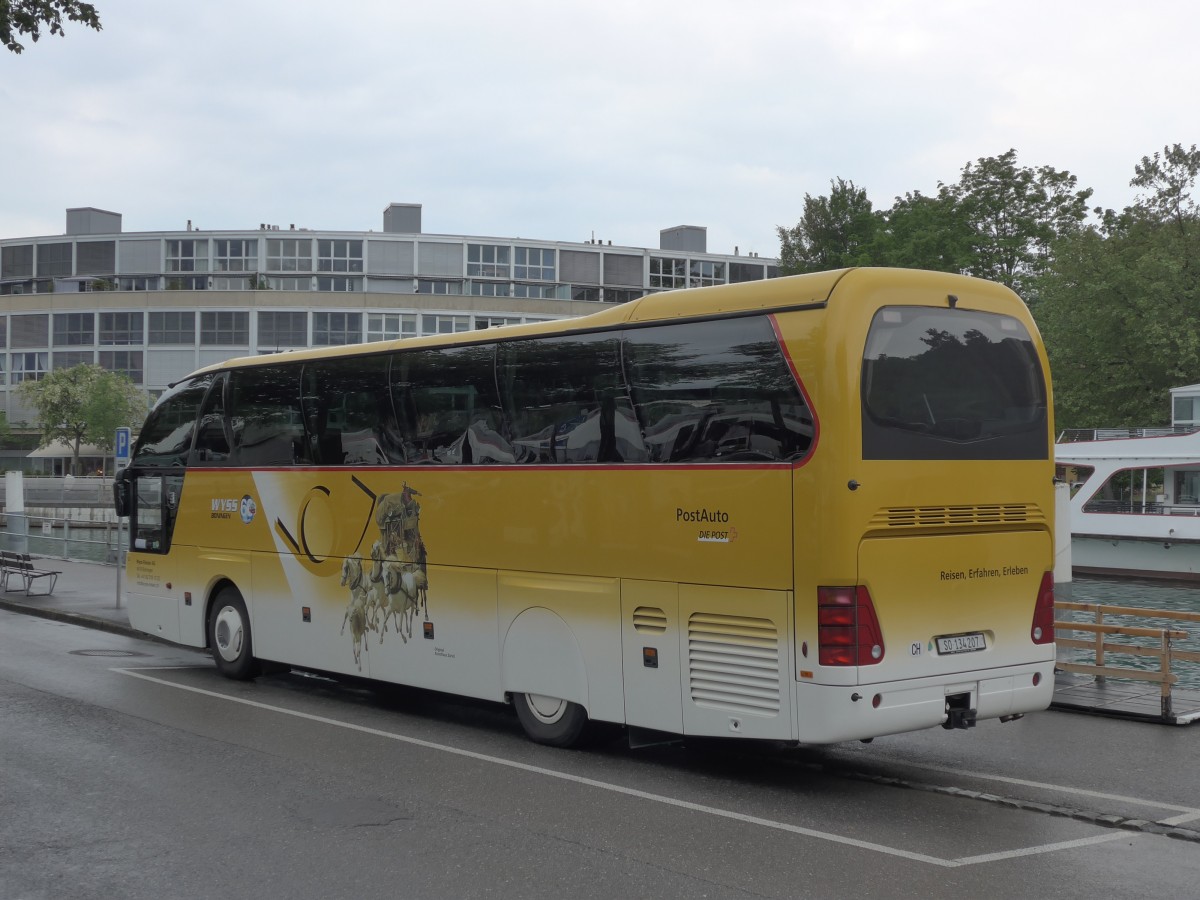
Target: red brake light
848,629
1042,630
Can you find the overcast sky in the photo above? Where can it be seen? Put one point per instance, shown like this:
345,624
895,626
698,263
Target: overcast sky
564,120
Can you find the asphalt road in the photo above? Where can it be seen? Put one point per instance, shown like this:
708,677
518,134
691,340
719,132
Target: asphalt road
131,769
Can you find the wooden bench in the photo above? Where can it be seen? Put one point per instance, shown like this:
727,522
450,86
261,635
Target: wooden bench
22,566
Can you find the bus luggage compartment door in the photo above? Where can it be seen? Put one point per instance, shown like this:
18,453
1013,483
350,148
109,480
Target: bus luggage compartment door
650,655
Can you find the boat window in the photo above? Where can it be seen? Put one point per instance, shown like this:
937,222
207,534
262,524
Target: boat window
1129,491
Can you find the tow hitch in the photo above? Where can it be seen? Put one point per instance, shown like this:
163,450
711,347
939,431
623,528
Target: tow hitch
959,713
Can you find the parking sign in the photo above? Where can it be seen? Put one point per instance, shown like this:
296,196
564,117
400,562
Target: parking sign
123,447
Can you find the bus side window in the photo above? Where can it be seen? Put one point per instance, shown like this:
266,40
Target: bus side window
447,407
566,400
212,433
348,413
265,417
716,391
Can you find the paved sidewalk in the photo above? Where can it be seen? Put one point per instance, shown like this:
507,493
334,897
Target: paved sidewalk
85,594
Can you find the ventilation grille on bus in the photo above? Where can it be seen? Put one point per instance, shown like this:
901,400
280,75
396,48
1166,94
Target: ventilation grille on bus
958,516
733,663
649,620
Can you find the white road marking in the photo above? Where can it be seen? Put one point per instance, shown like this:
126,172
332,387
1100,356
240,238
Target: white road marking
1190,812
627,791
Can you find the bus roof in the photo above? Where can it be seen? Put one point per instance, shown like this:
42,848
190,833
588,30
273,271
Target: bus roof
726,299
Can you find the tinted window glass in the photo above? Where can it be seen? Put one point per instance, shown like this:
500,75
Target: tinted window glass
951,384
716,391
446,404
212,437
566,401
166,437
349,413
266,425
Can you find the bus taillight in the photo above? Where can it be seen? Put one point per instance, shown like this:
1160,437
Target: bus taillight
1042,630
849,633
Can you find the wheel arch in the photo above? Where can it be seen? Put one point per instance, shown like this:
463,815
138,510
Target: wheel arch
541,655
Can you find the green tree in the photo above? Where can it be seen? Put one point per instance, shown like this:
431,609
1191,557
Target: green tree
21,17
1118,307
1015,215
926,232
83,403
834,231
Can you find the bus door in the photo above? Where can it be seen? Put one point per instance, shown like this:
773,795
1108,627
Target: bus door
152,578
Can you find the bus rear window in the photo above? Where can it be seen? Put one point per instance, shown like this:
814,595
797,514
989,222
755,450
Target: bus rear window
951,384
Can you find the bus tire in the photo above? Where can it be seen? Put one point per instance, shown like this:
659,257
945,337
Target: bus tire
550,721
229,636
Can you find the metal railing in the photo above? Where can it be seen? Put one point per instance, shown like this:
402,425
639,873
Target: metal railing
1102,648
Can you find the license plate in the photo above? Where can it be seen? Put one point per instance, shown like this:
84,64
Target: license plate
961,643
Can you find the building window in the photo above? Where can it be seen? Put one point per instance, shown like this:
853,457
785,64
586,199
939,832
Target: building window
339,256
236,256
68,359
225,283
289,254
487,261
290,284
587,294
3,332
668,274
187,256
490,288
740,272
97,284
496,321
188,283
332,329
534,264
28,366
173,327
74,329
224,328
53,259
537,291
705,272
430,286
621,295
3,369
338,283
436,324
141,283
390,326
123,362
121,328
282,330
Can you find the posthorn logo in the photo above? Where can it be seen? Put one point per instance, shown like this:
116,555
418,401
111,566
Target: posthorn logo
248,509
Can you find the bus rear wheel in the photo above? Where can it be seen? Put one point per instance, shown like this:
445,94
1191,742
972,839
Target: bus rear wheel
229,636
551,721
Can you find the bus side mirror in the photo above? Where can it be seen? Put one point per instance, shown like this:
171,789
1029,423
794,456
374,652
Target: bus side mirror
121,493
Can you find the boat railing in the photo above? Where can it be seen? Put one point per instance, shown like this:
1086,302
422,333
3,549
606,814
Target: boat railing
1102,646
1073,435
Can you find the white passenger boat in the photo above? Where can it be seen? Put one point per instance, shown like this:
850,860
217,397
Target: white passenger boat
1135,500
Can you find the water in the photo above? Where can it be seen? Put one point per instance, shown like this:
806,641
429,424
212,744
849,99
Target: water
1150,594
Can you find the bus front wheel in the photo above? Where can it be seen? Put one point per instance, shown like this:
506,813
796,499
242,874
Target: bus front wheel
549,720
229,636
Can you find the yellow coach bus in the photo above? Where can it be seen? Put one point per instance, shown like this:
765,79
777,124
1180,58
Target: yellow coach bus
809,509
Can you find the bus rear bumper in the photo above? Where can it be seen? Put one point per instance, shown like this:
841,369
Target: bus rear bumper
827,714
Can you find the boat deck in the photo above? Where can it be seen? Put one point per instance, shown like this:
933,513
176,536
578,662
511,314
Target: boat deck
1128,699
